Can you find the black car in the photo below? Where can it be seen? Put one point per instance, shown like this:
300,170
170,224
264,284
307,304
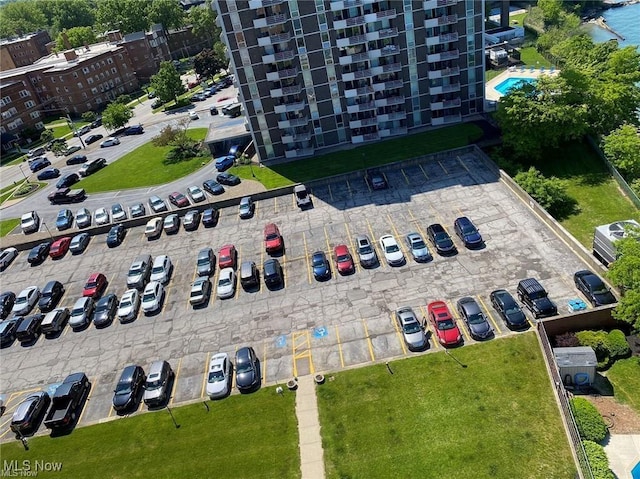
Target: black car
97,122
213,187
8,330
227,179
29,328
474,318
77,159
72,149
92,139
509,310
49,174
115,236
105,311
6,303
440,239
247,377
272,273
137,210
210,217
30,413
593,288
67,180
134,130
320,265
38,253
534,296
128,391
468,232
50,295
377,180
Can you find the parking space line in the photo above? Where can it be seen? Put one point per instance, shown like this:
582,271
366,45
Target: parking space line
284,267
326,237
339,347
175,382
263,365
306,353
261,265
233,376
443,168
367,183
84,409
417,222
238,263
165,300
349,188
369,343
406,178
463,164
385,178
330,194
306,257
423,172
204,379
493,321
356,265
394,320
458,321
374,242
397,235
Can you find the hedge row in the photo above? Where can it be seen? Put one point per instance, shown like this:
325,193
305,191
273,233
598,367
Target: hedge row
608,347
590,424
598,460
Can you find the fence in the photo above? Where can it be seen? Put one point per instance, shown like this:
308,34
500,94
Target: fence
584,471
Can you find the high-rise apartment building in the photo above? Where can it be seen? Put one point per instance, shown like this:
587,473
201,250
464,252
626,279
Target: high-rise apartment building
317,74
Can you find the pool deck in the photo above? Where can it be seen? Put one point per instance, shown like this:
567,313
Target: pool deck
492,94
623,452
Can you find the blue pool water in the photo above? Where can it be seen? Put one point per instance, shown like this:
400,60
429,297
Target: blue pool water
506,85
635,472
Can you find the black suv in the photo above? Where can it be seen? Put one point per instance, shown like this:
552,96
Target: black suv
51,294
272,273
129,389
534,296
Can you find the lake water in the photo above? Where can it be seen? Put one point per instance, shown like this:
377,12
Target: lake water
624,20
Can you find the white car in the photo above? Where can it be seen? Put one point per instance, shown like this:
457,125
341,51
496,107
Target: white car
30,222
111,141
152,297
129,305
200,291
226,283
196,194
153,228
101,217
193,115
161,269
392,252
83,218
26,300
219,376
118,213
7,256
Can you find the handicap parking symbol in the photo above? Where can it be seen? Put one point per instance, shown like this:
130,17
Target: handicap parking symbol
281,342
320,332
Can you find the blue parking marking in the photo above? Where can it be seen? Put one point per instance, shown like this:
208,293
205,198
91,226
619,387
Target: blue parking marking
281,341
320,332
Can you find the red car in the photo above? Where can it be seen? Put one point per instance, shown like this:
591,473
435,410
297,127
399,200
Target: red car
273,241
178,199
227,256
343,259
444,324
60,247
95,286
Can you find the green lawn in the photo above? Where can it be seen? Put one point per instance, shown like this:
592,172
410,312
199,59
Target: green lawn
589,182
253,436
6,226
377,154
496,418
61,129
143,167
625,377
11,158
531,58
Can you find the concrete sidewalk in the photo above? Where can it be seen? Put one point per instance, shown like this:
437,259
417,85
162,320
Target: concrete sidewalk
311,454
623,452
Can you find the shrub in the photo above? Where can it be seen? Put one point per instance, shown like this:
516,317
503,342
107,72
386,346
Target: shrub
597,460
599,341
567,340
590,424
550,193
617,345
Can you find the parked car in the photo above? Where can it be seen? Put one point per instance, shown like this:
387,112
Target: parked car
227,257
391,250
441,239
71,150
302,196
366,253
153,228
93,138
474,318
30,222
79,243
206,262
468,233
106,308
96,123
49,174
196,194
64,220
509,310
412,331
246,207
320,266
38,253
111,141
377,180
443,323
54,321
593,288
272,273
418,248
50,295
95,286
219,376
193,115
82,131
34,152
178,199
29,414
226,287
213,187
129,305
156,387
60,247
161,269
7,298
200,291
171,223
81,312
134,130
191,220
249,276
534,297
247,377
273,241
344,261
83,218
157,204
210,217
227,179
115,235
38,164
101,217
225,162
8,330
139,272
78,159
129,389
92,166
152,297
118,213
137,210
67,180
6,257
67,402
29,328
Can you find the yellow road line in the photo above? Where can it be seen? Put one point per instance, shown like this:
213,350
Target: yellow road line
406,178
326,237
263,364
206,371
493,321
395,325
175,381
330,194
165,300
306,256
237,268
463,164
351,247
312,369
284,268
93,387
293,354
369,343
367,183
339,347
259,267
423,172
443,168
349,188
293,200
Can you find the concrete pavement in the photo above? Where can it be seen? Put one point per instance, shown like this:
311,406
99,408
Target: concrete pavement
623,451
311,453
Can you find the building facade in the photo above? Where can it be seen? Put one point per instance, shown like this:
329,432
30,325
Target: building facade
314,75
22,51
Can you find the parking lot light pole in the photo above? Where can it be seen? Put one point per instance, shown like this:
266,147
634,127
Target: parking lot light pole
22,171
75,131
48,231
173,418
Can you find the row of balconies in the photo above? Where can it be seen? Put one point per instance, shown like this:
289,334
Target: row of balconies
270,20
438,90
442,38
274,39
433,4
345,41
375,120
440,21
444,72
375,87
441,105
369,72
299,152
282,74
370,54
282,56
294,122
296,137
443,120
287,90
255,4
340,23
336,6
443,56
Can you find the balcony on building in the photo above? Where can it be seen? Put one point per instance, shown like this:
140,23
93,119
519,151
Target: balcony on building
442,38
353,89
346,39
362,120
279,56
292,121
386,68
256,4
290,104
365,137
270,16
444,55
351,55
395,131
292,88
440,21
274,38
336,6
446,119
445,103
361,104
299,152
391,114
444,88
433,4
382,33
436,71
296,136
388,99
282,73
340,20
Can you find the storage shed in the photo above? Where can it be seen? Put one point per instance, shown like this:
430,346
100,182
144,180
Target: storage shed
577,366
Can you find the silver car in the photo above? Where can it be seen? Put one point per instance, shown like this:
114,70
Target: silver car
196,194
219,377
156,388
171,223
226,283
81,312
152,297
418,248
79,243
366,252
412,330
26,300
161,269
118,213
101,217
7,256
129,305
200,291
83,218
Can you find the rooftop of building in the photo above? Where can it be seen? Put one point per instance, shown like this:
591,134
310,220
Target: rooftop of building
21,38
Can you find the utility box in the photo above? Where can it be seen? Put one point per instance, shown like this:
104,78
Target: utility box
605,236
577,366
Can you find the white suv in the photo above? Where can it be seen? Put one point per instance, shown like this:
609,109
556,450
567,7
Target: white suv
30,222
161,269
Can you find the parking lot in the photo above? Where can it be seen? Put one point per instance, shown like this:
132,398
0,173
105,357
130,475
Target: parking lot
306,326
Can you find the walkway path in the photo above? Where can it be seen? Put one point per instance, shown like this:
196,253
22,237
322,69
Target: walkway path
311,455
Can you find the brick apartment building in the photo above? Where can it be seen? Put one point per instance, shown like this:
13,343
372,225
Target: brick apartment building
24,50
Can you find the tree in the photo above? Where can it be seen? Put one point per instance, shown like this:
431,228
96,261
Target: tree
89,116
551,11
77,36
46,135
18,18
167,12
67,14
628,309
207,63
167,83
59,147
624,272
203,21
550,193
622,148
116,115
128,16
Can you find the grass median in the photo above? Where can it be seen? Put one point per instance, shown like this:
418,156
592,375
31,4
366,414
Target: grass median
240,437
8,225
432,418
142,167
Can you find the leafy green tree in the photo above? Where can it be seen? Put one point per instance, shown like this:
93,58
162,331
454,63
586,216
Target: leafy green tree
207,63
77,36
46,135
203,21
551,10
116,115
550,193
67,14
128,16
59,147
622,148
167,12
628,309
167,83
124,99
618,346
89,116
20,17
624,272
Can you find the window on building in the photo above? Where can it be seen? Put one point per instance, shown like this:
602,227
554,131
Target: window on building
34,115
75,74
29,104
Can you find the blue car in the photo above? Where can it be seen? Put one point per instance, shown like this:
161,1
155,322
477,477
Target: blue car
49,173
64,219
320,264
468,233
38,164
213,187
224,162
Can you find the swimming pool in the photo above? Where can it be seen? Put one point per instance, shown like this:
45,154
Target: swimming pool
504,86
635,472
